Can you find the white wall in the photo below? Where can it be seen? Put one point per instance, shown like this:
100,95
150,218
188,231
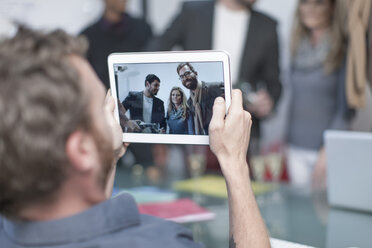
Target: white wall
70,15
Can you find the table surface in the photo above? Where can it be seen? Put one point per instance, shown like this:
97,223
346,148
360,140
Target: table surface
292,214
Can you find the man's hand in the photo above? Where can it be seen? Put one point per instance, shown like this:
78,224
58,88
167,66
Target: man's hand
229,137
117,134
133,126
117,140
162,130
262,105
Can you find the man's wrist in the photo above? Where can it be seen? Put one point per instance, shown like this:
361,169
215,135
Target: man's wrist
238,160
235,171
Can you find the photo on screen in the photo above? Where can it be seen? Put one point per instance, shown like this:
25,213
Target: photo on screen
168,98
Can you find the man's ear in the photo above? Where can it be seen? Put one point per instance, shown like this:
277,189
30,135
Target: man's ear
81,151
147,84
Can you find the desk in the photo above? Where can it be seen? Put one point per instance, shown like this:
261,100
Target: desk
289,213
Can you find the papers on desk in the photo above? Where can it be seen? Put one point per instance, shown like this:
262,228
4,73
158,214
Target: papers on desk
215,186
181,211
278,243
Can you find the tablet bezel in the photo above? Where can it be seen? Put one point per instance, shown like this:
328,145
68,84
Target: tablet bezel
169,57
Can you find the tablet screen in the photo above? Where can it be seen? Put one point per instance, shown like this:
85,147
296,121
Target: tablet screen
168,97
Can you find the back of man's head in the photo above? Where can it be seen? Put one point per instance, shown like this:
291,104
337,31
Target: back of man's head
41,103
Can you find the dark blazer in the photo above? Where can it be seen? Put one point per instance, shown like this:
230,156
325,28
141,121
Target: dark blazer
209,92
192,30
134,103
130,35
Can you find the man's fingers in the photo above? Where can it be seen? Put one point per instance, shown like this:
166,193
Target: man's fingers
236,101
219,111
236,108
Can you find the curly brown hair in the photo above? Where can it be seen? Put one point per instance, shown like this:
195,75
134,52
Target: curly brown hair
41,103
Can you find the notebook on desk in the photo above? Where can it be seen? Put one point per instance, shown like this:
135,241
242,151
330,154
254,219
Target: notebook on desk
279,243
349,169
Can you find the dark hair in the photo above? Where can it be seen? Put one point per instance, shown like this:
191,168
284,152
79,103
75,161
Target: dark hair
151,78
179,67
42,102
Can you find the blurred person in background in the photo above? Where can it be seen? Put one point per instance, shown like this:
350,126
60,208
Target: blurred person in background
178,116
115,31
317,80
250,38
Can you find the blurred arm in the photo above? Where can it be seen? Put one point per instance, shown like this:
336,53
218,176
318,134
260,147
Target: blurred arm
117,144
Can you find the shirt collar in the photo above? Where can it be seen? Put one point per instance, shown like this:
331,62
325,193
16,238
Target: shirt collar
117,213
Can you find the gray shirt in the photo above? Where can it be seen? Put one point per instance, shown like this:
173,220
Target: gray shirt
113,223
318,102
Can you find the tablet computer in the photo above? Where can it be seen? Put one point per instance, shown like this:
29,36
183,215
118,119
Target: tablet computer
167,97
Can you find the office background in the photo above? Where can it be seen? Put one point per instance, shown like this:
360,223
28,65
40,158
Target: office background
74,15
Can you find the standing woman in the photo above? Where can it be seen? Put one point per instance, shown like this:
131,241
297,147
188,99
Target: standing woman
318,100
178,116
